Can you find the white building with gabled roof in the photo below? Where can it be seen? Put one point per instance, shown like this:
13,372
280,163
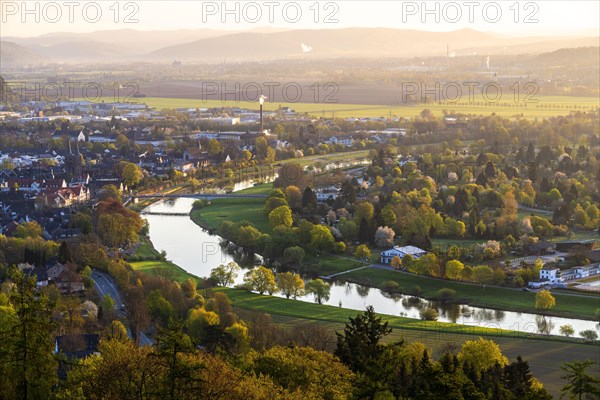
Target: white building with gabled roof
401,251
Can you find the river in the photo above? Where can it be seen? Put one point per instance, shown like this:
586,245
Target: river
196,251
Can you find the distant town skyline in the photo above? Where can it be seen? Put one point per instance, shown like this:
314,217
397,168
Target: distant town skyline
512,18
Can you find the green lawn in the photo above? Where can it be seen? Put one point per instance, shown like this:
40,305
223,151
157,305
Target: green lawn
547,106
165,269
328,264
464,243
474,294
312,311
234,210
327,158
145,251
263,188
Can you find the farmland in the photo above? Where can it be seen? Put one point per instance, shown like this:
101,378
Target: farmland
547,106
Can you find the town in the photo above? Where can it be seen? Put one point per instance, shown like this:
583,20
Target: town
189,241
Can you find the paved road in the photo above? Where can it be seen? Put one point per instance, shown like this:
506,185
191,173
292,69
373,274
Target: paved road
536,210
105,285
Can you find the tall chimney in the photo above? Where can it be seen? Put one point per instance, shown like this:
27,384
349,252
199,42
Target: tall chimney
261,120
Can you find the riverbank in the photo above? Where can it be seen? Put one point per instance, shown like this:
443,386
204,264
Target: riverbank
493,297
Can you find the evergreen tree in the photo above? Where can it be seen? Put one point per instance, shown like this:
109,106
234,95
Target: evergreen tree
26,343
359,345
309,199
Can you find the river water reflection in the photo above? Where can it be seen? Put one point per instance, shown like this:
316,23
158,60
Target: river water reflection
196,251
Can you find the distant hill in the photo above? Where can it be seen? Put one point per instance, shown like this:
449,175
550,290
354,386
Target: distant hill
12,54
351,42
209,45
575,56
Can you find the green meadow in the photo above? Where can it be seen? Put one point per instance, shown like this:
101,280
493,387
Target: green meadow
546,106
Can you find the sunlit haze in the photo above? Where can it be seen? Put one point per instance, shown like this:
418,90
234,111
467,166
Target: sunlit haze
33,18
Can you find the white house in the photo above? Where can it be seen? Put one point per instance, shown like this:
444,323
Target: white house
581,272
550,274
397,251
323,195
346,141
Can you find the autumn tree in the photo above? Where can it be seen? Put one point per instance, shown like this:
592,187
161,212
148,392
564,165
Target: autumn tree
290,284
396,262
261,280
365,210
544,300
225,274
317,374
321,238
130,173
281,216
291,174
566,330
362,252
481,355
115,224
454,269
109,192
30,229
384,237
264,152
293,195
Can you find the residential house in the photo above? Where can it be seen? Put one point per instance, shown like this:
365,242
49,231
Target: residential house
69,282
398,251
326,194
74,347
53,270
41,276
541,248
346,141
550,274
581,272
570,246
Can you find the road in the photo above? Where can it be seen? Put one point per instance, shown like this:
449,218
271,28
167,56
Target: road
536,210
105,285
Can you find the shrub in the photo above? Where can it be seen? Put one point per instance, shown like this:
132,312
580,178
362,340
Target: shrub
445,294
198,204
589,335
416,290
390,286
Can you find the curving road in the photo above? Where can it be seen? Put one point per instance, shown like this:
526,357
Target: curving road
105,285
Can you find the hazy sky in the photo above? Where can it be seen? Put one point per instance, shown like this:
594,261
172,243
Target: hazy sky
501,16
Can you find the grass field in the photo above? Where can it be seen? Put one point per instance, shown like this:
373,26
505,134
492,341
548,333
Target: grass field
547,106
327,158
145,250
232,209
165,269
474,294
